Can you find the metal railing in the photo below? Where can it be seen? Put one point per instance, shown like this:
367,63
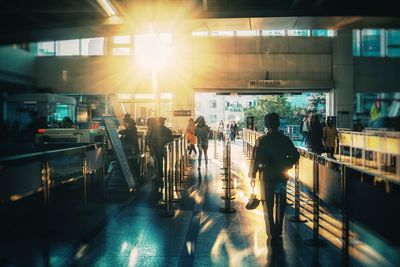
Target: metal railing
322,188
174,164
227,178
26,174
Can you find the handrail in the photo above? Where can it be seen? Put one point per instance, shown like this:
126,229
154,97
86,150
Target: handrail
43,153
250,136
174,163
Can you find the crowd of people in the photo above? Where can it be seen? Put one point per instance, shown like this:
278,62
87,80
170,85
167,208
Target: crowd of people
319,137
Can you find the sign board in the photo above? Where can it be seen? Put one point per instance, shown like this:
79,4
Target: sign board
265,83
119,150
182,113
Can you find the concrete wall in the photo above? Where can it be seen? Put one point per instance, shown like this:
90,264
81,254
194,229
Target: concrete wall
212,62
17,66
343,73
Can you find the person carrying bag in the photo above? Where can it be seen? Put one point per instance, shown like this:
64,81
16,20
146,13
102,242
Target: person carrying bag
274,154
253,200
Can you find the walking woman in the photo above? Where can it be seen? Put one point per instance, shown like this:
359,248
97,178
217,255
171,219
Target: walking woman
190,136
202,132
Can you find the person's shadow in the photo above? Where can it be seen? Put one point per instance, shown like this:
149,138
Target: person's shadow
276,255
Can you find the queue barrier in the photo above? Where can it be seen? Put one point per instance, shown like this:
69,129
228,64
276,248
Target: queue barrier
227,179
174,164
332,195
24,175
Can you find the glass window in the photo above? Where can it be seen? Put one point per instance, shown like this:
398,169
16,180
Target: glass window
199,34
356,43
92,46
212,118
213,103
67,48
273,33
123,39
393,43
46,48
121,51
371,43
298,32
247,33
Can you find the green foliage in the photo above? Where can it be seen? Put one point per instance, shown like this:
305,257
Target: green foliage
289,115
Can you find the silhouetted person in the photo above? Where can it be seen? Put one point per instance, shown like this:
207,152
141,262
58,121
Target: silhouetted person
221,129
202,132
274,154
129,136
233,131
331,139
162,136
315,135
35,124
358,126
67,123
304,128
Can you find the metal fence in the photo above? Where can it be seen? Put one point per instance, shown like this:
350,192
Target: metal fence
332,195
26,174
174,164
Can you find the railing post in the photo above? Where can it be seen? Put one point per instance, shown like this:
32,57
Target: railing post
84,177
228,183
215,144
315,241
46,181
345,216
167,181
296,217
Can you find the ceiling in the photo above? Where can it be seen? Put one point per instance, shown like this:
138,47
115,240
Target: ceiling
29,20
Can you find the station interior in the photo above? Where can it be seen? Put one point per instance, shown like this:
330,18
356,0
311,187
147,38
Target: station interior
97,166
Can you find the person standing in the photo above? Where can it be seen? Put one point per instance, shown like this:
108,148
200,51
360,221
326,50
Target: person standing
331,138
129,136
233,131
304,127
221,129
202,132
190,136
315,135
358,126
163,135
274,154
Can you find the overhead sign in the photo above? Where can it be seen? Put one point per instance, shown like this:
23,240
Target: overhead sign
182,113
265,83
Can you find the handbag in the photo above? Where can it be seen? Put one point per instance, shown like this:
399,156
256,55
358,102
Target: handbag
253,200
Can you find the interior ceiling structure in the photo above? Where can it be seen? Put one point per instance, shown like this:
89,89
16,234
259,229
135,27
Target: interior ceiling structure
27,20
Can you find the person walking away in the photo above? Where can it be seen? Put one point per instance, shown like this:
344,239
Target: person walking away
315,135
274,154
233,131
163,135
331,138
304,127
202,131
190,136
221,129
358,126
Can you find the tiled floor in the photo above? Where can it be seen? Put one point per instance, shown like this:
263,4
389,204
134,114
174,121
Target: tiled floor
130,231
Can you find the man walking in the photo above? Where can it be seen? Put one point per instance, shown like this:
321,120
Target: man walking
274,154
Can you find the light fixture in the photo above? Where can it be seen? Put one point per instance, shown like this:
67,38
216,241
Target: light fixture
108,7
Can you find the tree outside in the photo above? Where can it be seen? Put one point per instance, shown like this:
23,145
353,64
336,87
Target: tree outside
290,115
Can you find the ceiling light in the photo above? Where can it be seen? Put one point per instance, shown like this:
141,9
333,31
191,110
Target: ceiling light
108,7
